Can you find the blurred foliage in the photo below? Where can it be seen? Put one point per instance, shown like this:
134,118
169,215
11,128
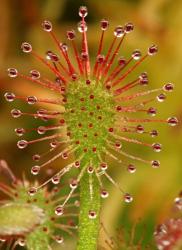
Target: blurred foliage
156,21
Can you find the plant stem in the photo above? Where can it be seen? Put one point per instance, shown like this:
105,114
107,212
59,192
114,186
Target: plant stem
89,228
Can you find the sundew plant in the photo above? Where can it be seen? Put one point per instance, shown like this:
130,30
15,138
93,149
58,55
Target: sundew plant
168,235
29,220
95,114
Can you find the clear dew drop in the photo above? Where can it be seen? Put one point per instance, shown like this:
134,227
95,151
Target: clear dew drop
103,166
20,131
104,24
84,56
49,55
157,147
144,81
10,97
104,193
152,111
35,170
73,184
121,61
52,56
128,198
178,203
92,214
70,34
74,76
47,26
172,121
154,133
64,47
21,242
16,113
59,239
140,129
31,100
161,97
35,74
82,27
36,157
131,168
152,50
143,75
12,72
32,191
83,12
65,155
100,59
58,81
168,87
26,47
118,145
41,130
59,210
128,27
136,55
119,31
22,144
90,170
77,164
155,164
55,179
41,112
54,143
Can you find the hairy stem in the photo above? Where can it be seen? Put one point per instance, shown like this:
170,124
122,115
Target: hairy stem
89,228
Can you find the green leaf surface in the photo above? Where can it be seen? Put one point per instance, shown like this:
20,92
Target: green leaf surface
19,219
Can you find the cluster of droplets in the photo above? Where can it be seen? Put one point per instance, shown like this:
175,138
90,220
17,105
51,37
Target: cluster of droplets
19,242
43,203
169,234
104,83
